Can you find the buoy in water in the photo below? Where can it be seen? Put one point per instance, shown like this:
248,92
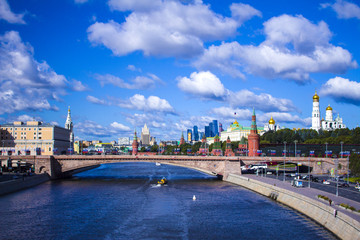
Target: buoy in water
194,198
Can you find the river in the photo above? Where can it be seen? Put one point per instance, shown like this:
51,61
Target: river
123,201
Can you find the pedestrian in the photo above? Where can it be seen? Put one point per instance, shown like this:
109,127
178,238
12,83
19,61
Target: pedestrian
330,202
335,212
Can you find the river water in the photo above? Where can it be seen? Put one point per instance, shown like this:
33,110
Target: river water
123,201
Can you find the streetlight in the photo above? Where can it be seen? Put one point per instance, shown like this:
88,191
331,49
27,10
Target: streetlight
309,172
337,177
348,170
326,143
295,146
284,158
341,149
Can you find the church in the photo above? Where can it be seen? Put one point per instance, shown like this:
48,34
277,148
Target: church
329,123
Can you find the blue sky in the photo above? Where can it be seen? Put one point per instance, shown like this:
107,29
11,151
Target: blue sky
174,64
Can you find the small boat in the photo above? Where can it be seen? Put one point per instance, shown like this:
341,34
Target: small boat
163,181
158,164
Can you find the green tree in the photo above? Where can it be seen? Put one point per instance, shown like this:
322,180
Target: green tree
354,164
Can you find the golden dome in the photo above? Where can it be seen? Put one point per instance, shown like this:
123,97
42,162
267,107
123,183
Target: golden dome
316,97
236,122
271,121
329,108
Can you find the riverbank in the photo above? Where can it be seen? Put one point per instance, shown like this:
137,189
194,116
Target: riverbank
342,223
22,182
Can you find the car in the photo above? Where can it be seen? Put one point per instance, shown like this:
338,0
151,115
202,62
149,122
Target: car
315,179
306,177
326,182
343,184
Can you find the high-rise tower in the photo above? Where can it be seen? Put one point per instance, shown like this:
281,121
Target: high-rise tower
69,126
253,137
316,113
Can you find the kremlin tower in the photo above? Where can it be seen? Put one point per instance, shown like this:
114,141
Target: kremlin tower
135,145
229,152
253,137
182,140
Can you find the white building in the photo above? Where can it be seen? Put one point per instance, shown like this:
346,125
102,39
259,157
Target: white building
145,135
329,123
271,126
236,132
124,141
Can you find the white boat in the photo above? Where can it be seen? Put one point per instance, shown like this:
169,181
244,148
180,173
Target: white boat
158,164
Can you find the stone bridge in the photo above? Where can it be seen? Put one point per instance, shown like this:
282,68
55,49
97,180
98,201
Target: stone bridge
60,166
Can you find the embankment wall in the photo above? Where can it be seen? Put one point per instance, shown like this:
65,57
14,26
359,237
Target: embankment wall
342,225
19,184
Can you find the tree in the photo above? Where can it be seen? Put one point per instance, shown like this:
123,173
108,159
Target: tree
354,164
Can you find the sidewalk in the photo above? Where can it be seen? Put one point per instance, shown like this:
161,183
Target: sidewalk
312,193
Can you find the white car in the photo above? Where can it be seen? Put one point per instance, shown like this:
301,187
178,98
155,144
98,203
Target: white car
326,182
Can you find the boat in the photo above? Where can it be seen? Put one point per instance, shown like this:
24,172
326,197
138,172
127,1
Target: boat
158,164
163,181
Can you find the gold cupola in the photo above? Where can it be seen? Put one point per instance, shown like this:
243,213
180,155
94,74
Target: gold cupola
271,121
316,97
329,108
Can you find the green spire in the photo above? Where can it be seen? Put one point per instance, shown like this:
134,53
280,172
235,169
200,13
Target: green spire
253,111
135,136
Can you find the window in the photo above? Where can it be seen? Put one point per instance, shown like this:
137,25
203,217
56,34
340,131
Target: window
15,128
34,137
49,149
39,137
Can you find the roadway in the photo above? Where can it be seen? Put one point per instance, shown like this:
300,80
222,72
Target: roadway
347,192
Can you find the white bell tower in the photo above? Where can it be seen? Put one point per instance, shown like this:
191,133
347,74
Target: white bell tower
316,113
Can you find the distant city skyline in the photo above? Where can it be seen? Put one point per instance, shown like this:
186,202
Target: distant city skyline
173,65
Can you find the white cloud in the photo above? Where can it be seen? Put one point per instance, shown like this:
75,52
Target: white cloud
204,84
207,86
294,48
8,15
119,126
166,28
25,83
232,113
95,100
79,86
133,68
263,101
281,118
25,118
140,82
152,103
344,9
151,120
342,89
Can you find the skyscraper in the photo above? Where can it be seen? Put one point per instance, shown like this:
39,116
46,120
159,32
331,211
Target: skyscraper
215,128
207,131
196,133
145,135
211,129
189,135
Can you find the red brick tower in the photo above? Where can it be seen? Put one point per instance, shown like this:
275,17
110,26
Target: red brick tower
216,147
228,151
135,145
203,148
253,137
182,140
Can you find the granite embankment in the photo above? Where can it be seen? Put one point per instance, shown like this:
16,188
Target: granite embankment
345,226
22,183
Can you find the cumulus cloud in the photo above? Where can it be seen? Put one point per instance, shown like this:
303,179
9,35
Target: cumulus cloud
344,9
96,100
166,28
79,86
133,68
227,112
151,120
342,89
152,103
91,129
119,126
294,47
204,84
25,83
7,15
139,82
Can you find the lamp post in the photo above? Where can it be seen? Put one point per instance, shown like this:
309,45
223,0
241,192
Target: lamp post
284,158
326,151
337,177
341,148
295,147
347,172
309,172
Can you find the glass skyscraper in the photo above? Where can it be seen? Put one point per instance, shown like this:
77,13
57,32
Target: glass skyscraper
196,133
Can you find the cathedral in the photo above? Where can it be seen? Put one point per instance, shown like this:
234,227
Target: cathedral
329,123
